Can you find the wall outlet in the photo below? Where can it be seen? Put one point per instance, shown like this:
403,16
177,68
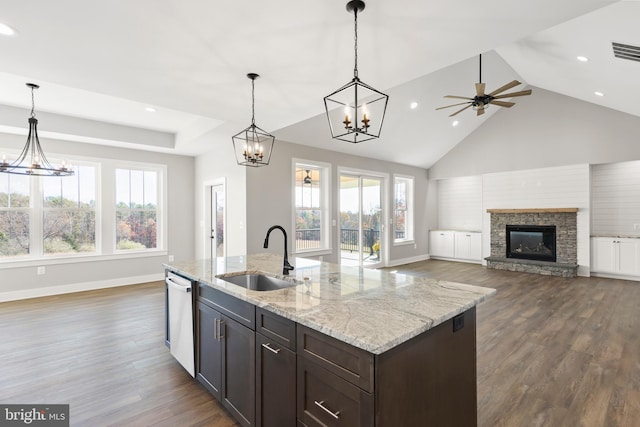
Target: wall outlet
636,227
41,270
171,258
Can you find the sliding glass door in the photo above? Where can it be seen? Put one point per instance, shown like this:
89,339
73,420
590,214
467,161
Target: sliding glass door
361,220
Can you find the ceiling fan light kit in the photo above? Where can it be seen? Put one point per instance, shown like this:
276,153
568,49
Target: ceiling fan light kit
356,110
481,100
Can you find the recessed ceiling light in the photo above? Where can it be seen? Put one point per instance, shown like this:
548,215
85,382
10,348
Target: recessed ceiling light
598,93
413,105
150,109
582,58
455,123
6,30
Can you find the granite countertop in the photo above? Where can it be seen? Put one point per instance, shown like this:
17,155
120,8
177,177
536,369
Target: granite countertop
617,236
371,309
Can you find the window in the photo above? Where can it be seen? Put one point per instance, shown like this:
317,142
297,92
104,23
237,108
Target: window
15,214
48,216
69,212
403,209
311,212
136,209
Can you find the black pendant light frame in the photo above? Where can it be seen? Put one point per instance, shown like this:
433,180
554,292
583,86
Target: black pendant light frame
37,163
354,122
253,146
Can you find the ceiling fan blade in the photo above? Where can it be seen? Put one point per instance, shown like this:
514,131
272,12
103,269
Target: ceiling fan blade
453,105
502,103
460,111
458,97
505,87
480,89
512,94
480,111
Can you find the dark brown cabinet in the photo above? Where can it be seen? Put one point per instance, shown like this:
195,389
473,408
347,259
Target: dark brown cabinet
209,355
226,353
269,371
275,370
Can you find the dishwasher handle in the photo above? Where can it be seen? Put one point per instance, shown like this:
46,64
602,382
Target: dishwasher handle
184,287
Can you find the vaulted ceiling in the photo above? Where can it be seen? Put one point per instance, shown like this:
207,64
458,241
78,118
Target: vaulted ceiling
188,59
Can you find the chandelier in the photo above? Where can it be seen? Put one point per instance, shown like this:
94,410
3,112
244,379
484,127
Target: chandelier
253,145
32,160
356,110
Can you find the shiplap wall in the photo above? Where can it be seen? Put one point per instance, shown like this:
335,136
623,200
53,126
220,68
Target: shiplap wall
615,199
460,203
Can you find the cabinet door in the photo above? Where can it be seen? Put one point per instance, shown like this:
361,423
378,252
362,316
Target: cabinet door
462,246
275,384
475,251
627,257
603,255
209,362
441,244
238,370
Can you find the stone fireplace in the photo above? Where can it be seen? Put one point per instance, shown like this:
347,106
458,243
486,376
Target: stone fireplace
542,241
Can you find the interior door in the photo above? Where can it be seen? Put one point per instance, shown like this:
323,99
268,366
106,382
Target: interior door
216,222
362,234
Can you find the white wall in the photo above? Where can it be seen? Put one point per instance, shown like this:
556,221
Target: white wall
615,199
269,197
543,130
219,166
70,275
460,203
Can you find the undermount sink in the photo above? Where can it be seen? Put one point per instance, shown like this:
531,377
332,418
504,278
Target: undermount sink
258,282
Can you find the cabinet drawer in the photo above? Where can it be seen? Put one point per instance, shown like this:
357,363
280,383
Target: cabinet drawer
240,311
351,363
276,328
324,399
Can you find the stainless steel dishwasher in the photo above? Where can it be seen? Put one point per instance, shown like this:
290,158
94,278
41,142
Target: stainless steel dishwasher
180,296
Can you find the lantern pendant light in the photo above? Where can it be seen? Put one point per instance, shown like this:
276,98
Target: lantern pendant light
253,146
356,110
32,160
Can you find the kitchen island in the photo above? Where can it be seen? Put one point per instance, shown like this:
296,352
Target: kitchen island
359,347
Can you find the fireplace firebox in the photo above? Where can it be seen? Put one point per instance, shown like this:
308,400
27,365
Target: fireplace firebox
536,242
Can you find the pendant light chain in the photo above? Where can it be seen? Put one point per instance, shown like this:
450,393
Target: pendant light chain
480,81
253,102
355,42
33,103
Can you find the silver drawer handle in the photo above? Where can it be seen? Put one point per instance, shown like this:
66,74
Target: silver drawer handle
335,415
271,349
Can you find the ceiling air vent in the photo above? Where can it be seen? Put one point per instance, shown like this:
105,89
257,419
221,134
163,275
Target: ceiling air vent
626,51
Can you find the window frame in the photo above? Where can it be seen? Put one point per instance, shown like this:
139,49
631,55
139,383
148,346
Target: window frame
409,210
161,207
325,206
104,211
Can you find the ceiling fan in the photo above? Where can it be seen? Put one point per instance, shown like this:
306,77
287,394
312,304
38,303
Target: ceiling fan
482,100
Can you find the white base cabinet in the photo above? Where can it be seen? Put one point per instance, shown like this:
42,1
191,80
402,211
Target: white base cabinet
615,255
457,245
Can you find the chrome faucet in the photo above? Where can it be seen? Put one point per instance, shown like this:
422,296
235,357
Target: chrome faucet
286,267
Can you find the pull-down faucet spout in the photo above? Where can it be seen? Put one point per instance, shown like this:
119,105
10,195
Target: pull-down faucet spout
286,267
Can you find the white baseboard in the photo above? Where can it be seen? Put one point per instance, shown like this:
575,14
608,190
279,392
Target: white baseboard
78,287
615,276
468,261
402,261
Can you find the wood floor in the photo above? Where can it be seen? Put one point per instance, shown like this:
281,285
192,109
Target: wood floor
551,352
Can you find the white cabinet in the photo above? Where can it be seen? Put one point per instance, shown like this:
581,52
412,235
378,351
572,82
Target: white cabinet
441,243
467,245
615,255
462,245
